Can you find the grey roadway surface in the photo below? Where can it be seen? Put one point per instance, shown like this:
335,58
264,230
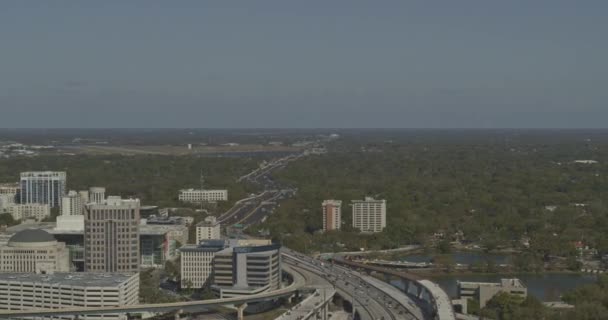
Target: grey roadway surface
372,302
254,209
313,304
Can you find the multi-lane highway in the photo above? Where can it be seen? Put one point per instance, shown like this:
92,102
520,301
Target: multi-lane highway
256,208
369,297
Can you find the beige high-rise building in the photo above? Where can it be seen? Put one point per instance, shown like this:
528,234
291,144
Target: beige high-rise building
111,236
369,215
332,214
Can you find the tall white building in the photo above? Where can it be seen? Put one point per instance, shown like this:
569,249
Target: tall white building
369,215
332,214
208,229
45,187
27,291
29,211
97,194
72,204
198,195
197,262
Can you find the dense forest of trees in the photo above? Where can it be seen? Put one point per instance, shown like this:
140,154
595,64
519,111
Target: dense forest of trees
495,190
154,179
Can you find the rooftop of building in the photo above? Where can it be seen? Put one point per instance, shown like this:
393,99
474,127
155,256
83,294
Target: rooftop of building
206,246
32,236
210,221
29,225
42,173
164,220
49,227
368,199
200,190
10,185
510,282
87,279
249,245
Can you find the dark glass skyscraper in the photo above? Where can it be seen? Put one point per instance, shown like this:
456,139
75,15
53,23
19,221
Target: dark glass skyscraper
44,187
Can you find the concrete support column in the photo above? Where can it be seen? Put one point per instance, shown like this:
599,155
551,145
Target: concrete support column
387,277
239,311
177,314
420,293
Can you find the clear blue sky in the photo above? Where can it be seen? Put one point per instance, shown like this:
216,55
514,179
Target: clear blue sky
284,63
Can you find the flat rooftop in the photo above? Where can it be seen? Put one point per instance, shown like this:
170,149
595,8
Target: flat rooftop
144,230
513,282
84,279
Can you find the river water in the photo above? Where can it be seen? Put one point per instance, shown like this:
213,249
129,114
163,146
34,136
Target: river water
545,286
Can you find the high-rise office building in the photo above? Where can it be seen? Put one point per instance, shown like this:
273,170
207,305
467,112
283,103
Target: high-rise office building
369,215
44,187
332,214
72,204
208,229
111,235
97,194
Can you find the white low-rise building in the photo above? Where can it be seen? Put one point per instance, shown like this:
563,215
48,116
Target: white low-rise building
208,230
26,291
36,251
484,291
200,195
30,211
6,201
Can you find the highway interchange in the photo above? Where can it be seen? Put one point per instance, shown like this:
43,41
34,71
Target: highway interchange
370,300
